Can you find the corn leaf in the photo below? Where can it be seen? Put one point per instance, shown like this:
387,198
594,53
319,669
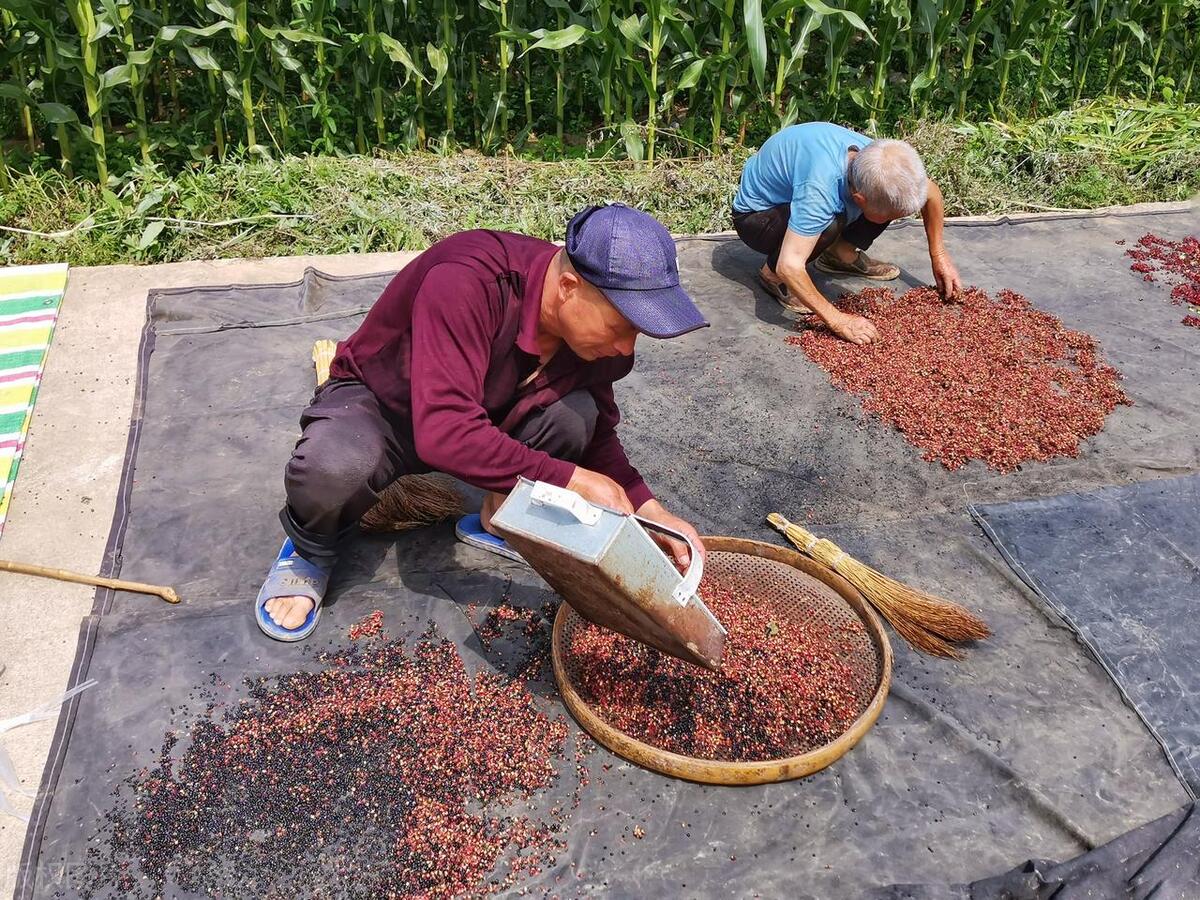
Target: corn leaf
756,39
558,40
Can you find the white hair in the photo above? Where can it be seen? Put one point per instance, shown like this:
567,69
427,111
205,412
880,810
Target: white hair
890,175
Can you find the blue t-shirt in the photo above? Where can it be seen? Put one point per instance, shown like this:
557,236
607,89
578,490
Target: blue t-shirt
804,166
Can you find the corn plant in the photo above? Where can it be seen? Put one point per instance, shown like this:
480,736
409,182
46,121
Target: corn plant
556,41
839,27
651,32
496,126
84,19
56,76
1013,42
937,21
191,79
894,19
721,66
968,38
1053,32
315,80
17,43
117,17
791,40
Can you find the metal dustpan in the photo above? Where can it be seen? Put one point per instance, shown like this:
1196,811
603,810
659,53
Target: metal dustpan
612,572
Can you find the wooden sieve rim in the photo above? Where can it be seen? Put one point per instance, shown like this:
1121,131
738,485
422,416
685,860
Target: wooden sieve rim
708,771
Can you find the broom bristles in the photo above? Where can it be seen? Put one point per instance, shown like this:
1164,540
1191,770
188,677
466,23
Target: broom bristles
412,501
917,637
943,617
927,622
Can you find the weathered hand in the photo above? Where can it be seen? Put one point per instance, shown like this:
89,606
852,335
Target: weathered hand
854,329
945,276
599,489
678,550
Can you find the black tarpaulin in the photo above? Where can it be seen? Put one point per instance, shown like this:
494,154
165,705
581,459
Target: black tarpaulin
1026,750
1122,565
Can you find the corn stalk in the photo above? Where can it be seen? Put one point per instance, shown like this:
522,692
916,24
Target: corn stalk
19,39
839,27
117,16
789,49
557,42
84,20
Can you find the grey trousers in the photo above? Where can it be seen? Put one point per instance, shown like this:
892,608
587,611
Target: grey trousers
351,448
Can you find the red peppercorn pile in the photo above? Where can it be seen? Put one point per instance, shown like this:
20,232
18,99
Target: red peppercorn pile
368,626
389,771
991,379
785,686
1176,262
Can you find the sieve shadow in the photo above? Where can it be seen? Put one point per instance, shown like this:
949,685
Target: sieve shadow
429,561
511,650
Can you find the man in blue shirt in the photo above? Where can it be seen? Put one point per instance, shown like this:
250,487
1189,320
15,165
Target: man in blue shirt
819,193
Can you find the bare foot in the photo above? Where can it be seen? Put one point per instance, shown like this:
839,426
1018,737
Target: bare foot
491,503
288,612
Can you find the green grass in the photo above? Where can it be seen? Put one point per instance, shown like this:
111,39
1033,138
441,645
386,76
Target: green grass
302,205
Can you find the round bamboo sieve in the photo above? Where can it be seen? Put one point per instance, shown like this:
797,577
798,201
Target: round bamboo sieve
794,586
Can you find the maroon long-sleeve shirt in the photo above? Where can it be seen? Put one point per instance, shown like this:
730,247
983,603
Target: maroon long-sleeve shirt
447,347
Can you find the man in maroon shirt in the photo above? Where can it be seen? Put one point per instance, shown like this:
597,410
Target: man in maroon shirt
489,357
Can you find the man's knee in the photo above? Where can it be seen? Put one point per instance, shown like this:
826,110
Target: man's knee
327,471
563,429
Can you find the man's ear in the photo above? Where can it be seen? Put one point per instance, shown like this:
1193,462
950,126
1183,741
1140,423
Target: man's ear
569,284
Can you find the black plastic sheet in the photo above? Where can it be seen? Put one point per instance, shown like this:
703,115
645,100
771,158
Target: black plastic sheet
1122,565
1026,750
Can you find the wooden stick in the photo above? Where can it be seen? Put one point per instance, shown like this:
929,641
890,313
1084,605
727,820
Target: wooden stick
116,584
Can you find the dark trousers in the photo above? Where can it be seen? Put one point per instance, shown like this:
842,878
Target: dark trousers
765,230
351,448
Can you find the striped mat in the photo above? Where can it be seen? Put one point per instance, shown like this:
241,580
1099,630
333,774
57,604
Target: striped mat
29,300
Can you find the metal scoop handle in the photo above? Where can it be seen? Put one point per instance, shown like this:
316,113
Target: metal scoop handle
587,513
686,589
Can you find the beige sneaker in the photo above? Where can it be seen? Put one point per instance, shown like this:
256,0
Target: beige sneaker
862,266
779,291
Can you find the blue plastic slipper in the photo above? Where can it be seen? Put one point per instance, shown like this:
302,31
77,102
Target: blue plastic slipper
291,575
469,530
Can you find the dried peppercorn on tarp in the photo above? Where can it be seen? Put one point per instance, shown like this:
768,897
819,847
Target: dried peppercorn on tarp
1176,263
385,769
990,378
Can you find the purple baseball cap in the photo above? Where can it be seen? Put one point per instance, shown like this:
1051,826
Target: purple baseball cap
630,256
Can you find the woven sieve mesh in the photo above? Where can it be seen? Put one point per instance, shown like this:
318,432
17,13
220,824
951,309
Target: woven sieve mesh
787,593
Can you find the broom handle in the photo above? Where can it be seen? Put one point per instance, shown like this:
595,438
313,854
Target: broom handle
801,537
116,584
322,355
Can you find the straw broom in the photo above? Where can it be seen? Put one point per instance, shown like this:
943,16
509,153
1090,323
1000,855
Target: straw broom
411,500
929,624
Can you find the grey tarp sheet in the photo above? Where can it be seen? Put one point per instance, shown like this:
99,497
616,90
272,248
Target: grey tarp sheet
1123,566
1024,751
